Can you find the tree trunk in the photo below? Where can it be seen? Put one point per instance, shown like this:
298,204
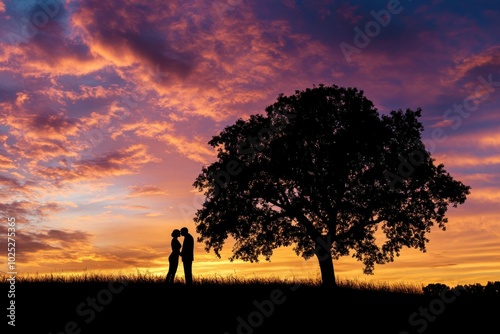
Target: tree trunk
326,266
324,255
323,251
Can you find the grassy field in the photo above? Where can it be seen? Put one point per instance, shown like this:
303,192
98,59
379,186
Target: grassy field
143,303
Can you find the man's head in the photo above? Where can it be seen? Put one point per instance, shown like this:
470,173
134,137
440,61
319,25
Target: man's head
184,231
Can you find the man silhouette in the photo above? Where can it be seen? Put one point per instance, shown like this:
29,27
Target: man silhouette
187,255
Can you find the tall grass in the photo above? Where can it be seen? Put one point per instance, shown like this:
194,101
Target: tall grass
215,280
85,277
381,286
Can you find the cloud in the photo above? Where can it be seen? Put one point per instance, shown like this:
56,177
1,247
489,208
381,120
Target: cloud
42,126
28,211
196,150
54,245
148,129
127,207
491,140
43,44
41,137
201,65
125,161
66,237
36,132
82,92
147,190
28,243
467,160
118,33
474,138
9,182
485,62
121,161
6,163
486,195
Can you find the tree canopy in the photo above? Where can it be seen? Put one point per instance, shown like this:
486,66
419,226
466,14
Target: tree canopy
323,171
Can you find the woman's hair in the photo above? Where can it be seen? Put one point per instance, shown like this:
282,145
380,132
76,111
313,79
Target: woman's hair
176,233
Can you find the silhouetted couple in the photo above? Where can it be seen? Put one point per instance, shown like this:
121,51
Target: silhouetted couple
185,251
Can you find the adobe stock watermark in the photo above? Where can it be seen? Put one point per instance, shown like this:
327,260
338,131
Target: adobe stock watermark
87,309
373,28
247,149
420,320
11,270
453,116
93,137
31,26
460,111
265,309
406,167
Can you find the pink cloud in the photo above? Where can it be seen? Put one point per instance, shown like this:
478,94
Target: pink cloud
126,161
484,141
148,190
455,160
135,43
25,211
6,163
48,49
488,61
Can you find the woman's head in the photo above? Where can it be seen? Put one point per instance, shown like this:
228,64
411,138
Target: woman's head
176,233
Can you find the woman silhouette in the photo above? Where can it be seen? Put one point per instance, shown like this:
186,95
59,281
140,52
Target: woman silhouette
173,259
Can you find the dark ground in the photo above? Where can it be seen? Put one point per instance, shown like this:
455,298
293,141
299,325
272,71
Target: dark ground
268,308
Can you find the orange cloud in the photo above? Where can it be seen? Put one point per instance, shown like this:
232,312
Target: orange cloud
55,246
485,195
466,160
41,126
85,92
40,137
127,207
196,150
486,141
6,163
48,50
149,129
131,44
489,58
62,65
148,190
491,141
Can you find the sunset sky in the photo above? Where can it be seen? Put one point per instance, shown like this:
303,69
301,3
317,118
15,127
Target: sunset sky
107,107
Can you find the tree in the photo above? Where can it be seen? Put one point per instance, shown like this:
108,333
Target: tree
324,172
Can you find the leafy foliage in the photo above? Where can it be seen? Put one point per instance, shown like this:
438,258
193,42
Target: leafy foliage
491,288
323,171
434,289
